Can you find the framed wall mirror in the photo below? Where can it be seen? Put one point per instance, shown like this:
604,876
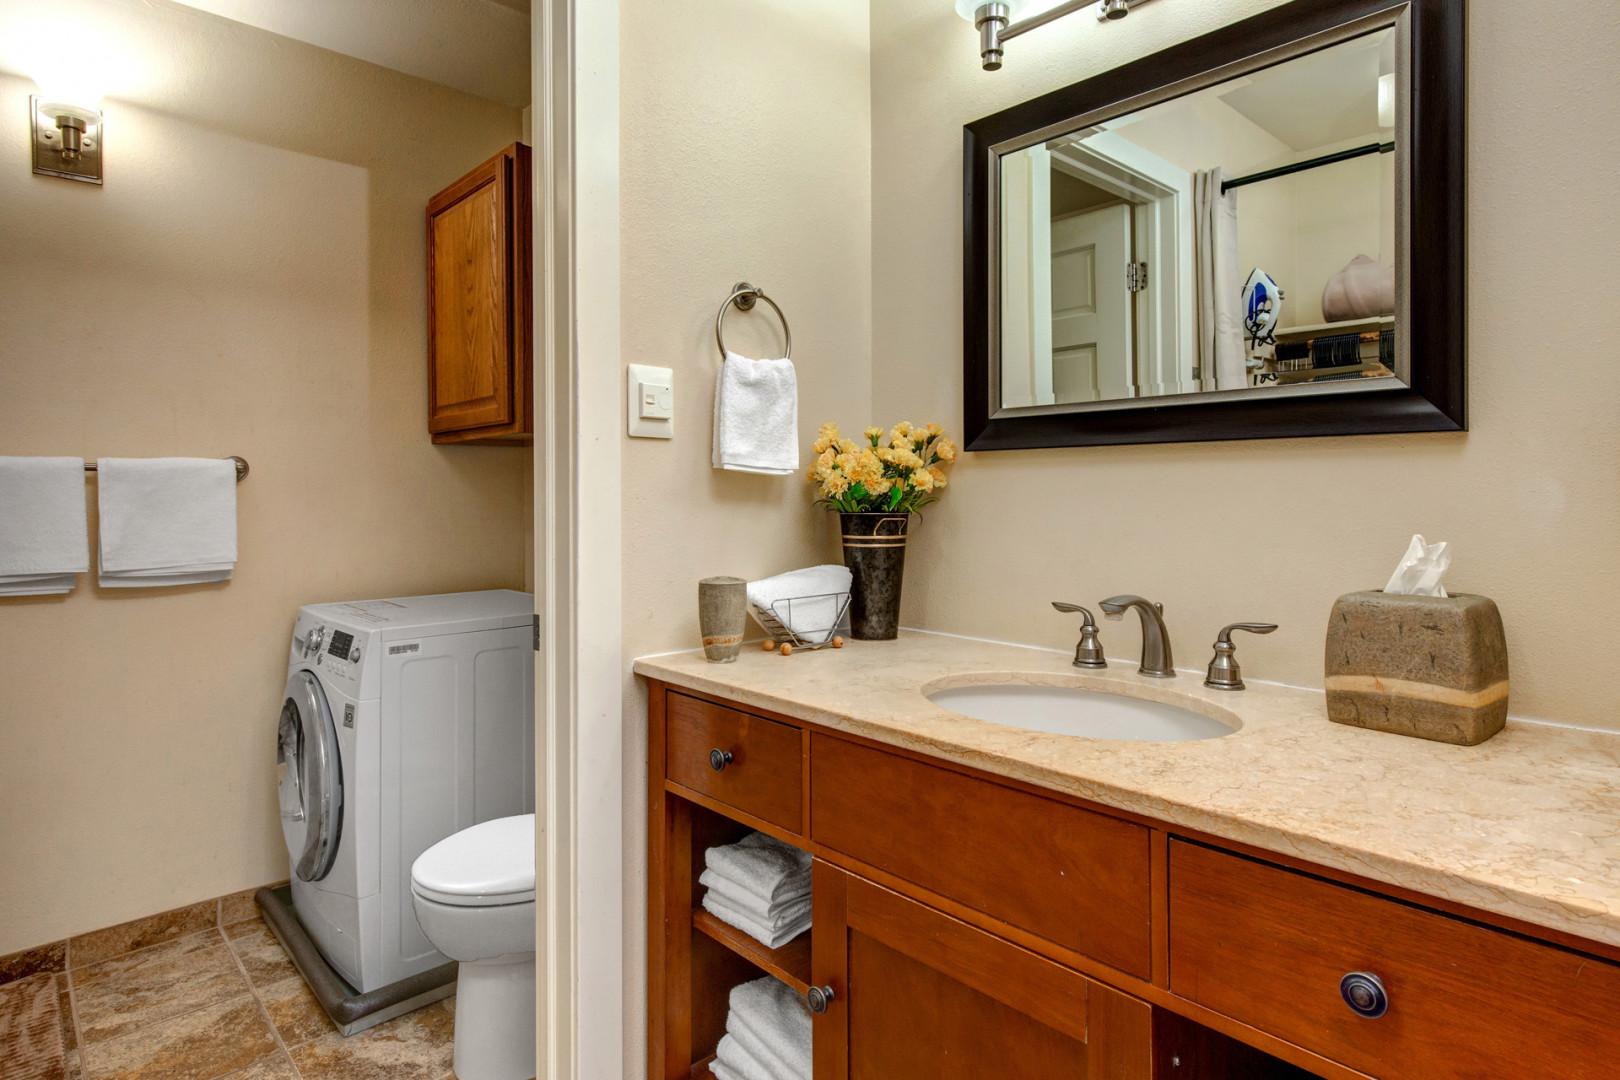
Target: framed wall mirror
1258,233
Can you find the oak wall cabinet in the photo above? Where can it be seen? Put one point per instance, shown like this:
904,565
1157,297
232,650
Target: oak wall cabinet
481,306
968,925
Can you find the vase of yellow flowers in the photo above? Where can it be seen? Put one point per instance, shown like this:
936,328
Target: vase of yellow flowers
875,485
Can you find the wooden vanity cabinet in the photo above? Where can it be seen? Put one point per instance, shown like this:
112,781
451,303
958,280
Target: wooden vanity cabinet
965,925
911,992
481,306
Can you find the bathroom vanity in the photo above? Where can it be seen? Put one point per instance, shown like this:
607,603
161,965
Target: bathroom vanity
1294,897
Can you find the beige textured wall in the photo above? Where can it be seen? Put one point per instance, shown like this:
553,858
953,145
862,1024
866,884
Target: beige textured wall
745,154
249,280
1530,497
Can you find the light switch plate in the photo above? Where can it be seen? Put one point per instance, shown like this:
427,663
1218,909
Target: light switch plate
650,402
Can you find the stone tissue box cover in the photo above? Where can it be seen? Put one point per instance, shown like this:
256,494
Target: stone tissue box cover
1430,666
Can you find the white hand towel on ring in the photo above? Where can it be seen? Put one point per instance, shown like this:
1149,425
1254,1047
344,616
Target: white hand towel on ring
756,416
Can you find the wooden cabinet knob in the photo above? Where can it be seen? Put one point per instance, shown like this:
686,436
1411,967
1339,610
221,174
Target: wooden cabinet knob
719,759
1365,994
819,997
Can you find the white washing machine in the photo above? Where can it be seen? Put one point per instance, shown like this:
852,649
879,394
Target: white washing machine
403,721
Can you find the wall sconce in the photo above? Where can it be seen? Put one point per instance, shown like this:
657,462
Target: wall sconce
67,140
995,24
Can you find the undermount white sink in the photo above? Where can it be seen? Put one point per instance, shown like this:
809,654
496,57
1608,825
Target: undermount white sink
1071,710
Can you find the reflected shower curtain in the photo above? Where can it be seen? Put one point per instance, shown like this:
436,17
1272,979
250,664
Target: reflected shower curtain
1219,289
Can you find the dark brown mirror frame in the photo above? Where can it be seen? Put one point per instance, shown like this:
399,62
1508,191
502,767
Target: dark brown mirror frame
1436,398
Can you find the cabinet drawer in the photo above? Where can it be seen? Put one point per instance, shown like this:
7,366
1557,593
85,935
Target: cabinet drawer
1076,878
764,775
1269,947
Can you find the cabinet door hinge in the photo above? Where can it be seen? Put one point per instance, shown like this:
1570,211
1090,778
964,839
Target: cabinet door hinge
537,633
1136,276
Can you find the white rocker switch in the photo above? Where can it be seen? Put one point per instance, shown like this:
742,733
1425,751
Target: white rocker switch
651,404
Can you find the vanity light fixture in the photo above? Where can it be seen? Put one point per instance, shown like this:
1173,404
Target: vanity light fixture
996,25
67,140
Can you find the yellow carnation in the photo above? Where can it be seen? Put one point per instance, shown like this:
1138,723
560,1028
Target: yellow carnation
938,474
901,433
934,431
922,480
946,450
834,484
873,434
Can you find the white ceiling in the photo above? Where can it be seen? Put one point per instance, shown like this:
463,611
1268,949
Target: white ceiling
480,47
1319,99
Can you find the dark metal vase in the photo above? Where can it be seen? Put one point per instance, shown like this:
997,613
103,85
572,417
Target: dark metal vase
875,552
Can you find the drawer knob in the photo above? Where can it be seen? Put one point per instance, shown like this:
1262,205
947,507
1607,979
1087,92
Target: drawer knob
719,759
818,998
1365,994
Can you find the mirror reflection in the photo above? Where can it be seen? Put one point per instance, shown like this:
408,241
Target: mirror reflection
1239,237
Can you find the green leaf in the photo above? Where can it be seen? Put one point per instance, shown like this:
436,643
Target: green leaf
896,493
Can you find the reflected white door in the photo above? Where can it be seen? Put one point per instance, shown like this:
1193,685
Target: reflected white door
1091,307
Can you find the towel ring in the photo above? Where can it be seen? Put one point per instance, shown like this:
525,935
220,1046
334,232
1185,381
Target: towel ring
743,295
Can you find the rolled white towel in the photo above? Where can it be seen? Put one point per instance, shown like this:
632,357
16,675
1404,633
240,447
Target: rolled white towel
805,617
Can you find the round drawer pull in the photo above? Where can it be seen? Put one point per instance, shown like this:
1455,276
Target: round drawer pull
819,997
1365,994
719,759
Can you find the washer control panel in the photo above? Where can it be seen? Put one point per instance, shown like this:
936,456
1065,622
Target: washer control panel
342,642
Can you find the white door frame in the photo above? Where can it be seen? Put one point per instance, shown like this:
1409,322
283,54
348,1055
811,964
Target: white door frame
1163,194
579,857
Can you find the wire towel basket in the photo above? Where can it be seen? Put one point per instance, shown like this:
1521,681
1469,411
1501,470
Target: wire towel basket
777,621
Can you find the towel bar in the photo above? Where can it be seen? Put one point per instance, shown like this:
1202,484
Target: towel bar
743,295
241,465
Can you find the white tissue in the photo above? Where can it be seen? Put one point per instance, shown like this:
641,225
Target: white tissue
1421,569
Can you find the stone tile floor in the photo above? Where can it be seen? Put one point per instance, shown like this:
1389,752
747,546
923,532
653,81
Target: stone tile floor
215,999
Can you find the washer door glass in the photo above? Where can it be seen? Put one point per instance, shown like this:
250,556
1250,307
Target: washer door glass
309,777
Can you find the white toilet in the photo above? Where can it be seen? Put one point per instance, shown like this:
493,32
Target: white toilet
474,897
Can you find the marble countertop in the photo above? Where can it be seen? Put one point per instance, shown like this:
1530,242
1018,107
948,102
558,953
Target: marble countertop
1525,825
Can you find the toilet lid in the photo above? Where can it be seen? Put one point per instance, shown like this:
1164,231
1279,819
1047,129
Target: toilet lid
491,863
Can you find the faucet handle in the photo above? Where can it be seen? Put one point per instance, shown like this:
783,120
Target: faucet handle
1224,672
1089,652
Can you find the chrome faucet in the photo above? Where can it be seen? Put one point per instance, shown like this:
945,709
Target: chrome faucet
1156,659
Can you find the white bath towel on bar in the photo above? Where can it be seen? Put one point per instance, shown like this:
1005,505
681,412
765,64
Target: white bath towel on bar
756,416
44,531
166,521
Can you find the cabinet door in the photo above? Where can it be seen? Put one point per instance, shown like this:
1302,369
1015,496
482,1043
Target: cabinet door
478,302
917,994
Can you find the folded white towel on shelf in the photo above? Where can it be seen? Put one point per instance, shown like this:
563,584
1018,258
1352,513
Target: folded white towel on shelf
44,530
763,865
739,896
756,416
731,1059
791,593
792,922
166,521
770,1023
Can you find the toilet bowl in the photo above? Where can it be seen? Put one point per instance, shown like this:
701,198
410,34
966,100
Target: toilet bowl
474,898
